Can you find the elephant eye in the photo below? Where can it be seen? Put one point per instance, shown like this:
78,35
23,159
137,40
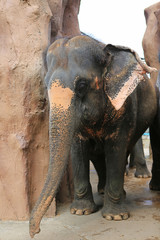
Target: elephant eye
81,87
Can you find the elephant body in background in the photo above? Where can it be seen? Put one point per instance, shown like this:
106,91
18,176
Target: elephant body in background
99,98
151,47
151,39
155,144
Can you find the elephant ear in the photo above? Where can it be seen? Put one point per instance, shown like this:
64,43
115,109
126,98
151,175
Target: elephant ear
123,73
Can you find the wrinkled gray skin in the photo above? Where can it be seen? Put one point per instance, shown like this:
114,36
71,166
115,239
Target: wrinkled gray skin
99,100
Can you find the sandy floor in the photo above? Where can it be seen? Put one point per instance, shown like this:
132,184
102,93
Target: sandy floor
143,224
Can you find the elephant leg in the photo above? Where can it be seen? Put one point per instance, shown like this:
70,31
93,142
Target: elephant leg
155,144
114,198
100,166
137,158
83,203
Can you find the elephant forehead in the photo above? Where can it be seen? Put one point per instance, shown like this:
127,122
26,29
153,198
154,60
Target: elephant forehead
59,96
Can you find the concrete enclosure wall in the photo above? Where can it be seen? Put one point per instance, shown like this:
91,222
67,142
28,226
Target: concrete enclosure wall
27,28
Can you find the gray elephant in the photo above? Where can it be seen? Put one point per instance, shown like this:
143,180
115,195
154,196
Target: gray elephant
99,98
155,143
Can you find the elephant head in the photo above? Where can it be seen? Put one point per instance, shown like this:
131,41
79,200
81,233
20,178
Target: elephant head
84,80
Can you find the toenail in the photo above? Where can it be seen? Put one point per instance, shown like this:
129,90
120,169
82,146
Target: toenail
125,216
79,212
109,217
72,211
117,218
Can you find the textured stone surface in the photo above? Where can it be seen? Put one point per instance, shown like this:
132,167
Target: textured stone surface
24,147
151,39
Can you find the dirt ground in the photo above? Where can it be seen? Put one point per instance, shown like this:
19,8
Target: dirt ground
143,224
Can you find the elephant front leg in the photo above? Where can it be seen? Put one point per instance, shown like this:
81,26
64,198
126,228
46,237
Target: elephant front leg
83,203
114,205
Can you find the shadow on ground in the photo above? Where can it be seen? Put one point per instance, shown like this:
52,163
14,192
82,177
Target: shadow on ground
143,224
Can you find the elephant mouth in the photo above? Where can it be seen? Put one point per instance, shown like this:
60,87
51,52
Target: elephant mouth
94,124
92,117
88,119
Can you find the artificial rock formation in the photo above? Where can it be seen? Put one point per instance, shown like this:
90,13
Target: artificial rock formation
27,28
151,39
65,18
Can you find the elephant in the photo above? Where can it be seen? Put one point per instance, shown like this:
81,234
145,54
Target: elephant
151,41
151,46
155,144
99,97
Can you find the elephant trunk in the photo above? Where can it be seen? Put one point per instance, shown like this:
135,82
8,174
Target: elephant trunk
61,132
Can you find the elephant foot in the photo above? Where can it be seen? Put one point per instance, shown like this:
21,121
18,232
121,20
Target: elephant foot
155,181
83,207
115,211
142,172
154,184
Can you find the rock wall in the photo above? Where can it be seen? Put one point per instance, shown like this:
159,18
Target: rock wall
65,18
27,28
151,39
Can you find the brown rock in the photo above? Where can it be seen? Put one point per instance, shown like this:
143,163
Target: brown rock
24,146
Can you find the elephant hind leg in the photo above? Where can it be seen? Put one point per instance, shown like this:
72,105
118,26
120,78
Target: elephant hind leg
137,158
100,166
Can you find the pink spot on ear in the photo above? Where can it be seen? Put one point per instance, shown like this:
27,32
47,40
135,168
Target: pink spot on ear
137,76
